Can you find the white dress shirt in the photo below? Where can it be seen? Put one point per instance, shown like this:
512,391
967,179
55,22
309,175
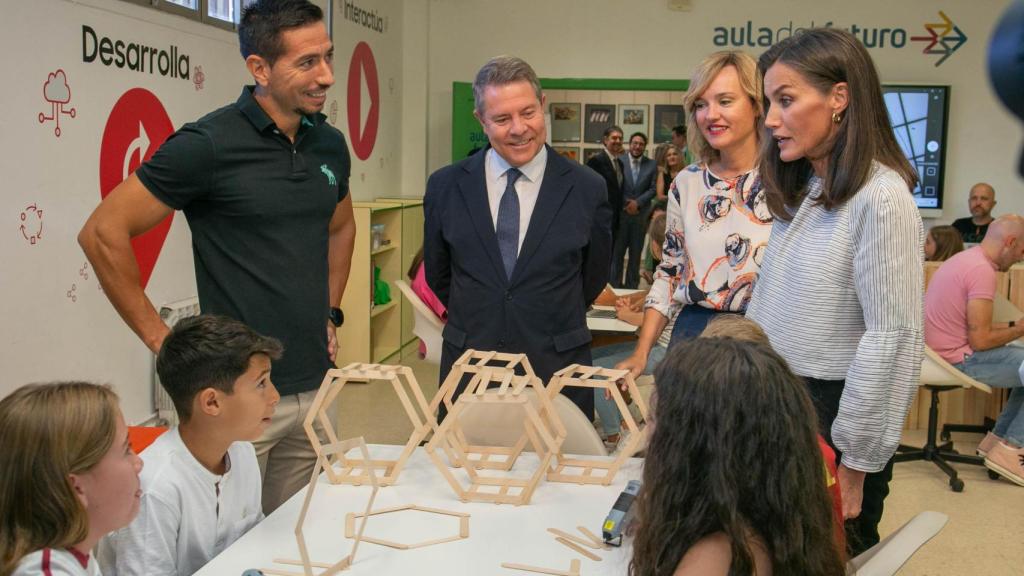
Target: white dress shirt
527,186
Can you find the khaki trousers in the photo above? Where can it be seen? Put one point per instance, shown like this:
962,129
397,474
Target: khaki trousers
284,452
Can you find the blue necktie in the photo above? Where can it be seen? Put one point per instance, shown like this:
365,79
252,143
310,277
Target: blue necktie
508,222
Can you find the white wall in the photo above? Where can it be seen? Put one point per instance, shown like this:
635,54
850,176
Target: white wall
644,39
380,174
46,335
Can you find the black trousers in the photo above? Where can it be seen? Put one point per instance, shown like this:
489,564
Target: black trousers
861,532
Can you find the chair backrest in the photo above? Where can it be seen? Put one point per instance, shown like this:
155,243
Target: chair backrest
140,437
487,424
937,372
426,325
1003,310
886,557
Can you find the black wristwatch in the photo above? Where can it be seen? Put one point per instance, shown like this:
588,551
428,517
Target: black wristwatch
1013,323
337,317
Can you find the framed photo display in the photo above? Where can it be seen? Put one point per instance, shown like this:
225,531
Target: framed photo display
667,116
589,153
570,152
633,118
565,122
596,119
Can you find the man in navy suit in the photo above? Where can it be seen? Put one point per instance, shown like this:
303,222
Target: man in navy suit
638,181
517,239
608,163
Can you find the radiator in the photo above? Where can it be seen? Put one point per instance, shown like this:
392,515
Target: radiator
170,313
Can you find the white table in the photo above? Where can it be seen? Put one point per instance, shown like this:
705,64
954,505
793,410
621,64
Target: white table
609,324
497,533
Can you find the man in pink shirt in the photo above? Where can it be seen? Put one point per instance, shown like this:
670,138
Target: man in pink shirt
958,326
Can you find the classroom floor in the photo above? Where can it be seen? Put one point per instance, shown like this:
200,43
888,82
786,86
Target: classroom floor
986,520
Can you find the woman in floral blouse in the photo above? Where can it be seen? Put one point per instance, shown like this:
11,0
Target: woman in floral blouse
718,224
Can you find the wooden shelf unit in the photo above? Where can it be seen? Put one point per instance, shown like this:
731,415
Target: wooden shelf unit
372,334
412,240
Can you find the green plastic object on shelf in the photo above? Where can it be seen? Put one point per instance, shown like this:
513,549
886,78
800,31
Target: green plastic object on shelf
381,289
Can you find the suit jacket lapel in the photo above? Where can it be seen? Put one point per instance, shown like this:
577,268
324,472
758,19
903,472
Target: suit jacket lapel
553,190
473,186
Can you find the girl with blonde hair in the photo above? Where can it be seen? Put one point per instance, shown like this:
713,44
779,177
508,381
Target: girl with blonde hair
68,476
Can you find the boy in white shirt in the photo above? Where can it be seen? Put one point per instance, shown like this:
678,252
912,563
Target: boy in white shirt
201,482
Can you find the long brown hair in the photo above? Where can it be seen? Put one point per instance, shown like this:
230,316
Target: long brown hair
948,242
734,451
48,432
824,57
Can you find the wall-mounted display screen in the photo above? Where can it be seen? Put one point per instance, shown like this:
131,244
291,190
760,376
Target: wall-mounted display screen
918,115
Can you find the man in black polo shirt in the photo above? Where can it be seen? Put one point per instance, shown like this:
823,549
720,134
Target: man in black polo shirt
981,202
263,184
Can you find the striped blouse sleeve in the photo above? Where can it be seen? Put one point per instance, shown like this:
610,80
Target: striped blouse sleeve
888,237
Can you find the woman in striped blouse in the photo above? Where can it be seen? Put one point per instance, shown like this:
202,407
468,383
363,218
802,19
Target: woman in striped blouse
717,220
840,291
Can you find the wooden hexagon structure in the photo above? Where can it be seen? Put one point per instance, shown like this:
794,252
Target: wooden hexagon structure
350,529
486,368
595,471
340,468
543,430
307,565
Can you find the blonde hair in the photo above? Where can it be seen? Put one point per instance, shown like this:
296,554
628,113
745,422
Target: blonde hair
703,76
737,327
48,432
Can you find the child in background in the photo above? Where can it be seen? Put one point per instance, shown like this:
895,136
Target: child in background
941,243
653,257
67,477
629,309
733,483
201,486
418,283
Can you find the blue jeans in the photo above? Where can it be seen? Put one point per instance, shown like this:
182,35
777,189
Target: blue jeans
691,322
608,357
1002,367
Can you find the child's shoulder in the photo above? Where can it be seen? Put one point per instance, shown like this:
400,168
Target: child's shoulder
56,562
164,460
243,458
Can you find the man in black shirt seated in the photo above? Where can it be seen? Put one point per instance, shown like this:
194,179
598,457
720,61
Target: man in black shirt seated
981,202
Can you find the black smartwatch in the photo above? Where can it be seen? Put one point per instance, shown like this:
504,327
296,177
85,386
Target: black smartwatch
337,317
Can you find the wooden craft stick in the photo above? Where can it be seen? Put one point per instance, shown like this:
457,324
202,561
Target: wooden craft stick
539,569
579,549
272,572
576,539
593,537
299,563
